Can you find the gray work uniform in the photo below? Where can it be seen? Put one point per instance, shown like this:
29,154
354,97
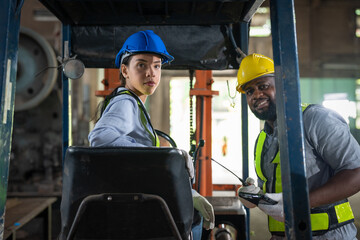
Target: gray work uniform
329,148
121,125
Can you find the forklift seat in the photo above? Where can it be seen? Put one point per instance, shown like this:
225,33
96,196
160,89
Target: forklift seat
125,193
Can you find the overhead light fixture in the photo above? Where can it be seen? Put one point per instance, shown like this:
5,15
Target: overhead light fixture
341,66
43,15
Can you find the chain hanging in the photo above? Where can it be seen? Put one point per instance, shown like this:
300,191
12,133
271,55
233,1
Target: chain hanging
192,133
232,98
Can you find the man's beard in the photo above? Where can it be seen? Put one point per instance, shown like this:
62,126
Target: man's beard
270,114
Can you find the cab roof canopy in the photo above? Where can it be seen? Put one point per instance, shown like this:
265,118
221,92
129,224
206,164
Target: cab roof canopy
197,33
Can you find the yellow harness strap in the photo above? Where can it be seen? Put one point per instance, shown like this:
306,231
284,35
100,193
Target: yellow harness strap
144,117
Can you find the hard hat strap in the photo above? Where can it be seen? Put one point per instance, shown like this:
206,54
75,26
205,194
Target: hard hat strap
123,56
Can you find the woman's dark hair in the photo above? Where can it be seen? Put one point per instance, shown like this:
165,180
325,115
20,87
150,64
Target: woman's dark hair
126,62
102,105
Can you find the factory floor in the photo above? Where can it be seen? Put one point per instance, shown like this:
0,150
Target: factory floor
258,223
258,220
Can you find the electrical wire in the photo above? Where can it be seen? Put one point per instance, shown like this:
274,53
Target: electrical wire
241,180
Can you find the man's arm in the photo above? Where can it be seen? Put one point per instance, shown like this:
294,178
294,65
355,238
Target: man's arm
331,139
343,185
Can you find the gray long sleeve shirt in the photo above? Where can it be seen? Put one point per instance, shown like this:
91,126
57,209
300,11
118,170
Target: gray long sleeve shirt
329,149
121,125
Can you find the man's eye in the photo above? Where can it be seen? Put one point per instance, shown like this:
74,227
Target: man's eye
249,92
141,65
158,66
263,86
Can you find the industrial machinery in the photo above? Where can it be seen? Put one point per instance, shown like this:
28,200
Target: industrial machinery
36,144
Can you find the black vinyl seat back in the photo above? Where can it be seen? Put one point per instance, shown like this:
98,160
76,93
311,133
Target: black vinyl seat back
126,170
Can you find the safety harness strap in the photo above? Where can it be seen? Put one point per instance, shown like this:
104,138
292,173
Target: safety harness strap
259,147
143,116
276,161
278,182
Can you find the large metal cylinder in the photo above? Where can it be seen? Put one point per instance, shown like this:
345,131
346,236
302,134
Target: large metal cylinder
36,145
223,233
36,71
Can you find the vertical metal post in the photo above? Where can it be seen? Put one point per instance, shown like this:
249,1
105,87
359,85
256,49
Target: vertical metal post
202,91
244,45
203,131
10,12
66,92
289,118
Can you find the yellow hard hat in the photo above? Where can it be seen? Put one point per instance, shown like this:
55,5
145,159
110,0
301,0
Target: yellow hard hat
253,66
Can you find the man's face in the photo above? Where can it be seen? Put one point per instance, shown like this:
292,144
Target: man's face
260,96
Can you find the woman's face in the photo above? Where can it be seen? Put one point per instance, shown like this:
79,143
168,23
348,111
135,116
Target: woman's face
142,74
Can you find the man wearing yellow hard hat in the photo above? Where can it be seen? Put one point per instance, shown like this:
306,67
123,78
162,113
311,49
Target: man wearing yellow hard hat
332,158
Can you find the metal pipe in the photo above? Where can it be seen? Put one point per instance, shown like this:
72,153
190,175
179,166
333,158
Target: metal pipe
289,119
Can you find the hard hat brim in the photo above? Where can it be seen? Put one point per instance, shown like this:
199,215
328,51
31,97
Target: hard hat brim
240,89
164,57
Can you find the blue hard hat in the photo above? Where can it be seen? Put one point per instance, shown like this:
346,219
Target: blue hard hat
143,42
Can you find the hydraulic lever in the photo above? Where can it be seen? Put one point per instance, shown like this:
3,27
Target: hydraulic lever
195,156
196,152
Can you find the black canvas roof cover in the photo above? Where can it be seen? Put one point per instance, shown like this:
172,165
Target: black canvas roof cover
194,47
194,31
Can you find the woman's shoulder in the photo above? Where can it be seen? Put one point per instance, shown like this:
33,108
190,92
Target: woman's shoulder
123,94
122,103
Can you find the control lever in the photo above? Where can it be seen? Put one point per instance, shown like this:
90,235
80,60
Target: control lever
195,156
241,180
253,198
196,152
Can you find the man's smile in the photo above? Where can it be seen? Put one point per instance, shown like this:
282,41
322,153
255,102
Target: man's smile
262,103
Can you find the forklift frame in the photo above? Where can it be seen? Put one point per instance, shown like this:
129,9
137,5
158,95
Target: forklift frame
296,200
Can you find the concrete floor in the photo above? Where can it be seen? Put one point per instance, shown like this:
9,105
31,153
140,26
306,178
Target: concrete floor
258,220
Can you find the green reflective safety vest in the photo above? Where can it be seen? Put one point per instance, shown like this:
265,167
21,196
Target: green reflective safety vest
144,117
322,218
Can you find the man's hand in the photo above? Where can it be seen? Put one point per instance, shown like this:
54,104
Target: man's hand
276,211
189,163
205,208
250,188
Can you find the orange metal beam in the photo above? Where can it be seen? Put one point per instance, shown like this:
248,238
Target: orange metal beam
202,91
226,187
111,81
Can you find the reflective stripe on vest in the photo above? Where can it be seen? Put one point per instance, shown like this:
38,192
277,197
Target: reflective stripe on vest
155,139
143,117
322,219
259,147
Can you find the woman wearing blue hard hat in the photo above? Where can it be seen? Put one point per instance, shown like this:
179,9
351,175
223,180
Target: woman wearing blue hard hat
120,122
124,120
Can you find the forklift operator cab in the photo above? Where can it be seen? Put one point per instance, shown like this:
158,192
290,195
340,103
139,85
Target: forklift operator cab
125,193
202,35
